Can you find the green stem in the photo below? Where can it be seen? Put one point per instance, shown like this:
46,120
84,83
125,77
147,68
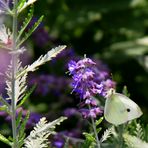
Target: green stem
14,71
95,131
120,130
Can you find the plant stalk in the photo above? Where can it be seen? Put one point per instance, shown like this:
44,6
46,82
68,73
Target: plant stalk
14,71
95,131
120,131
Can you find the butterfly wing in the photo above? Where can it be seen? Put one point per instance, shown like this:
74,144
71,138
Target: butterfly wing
114,111
132,108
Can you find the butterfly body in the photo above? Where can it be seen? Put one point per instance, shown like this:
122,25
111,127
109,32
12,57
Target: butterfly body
120,109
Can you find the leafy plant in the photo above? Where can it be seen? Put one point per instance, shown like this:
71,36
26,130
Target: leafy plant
16,76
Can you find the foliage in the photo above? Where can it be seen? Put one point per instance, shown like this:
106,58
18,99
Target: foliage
39,136
16,76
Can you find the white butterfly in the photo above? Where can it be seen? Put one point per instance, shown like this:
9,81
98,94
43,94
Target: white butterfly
120,109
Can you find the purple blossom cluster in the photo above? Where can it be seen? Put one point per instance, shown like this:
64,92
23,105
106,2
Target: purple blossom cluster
89,80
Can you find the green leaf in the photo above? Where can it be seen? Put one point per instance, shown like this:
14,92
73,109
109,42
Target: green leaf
20,4
22,125
26,96
99,129
99,121
86,144
21,140
26,22
5,140
3,108
26,4
27,35
89,136
19,118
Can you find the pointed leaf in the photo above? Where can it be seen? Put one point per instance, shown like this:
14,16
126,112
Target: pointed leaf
5,102
89,137
26,96
23,124
41,60
19,118
21,140
27,35
99,129
20,4
26,4
99,121
47,57
5,140
26,22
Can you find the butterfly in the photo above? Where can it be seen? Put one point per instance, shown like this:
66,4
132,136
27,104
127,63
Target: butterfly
119,108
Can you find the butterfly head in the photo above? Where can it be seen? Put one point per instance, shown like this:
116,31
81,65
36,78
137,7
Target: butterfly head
110,92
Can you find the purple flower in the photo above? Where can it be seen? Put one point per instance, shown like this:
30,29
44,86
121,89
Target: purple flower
89,80
107,85
58,141
3,113
93,112
91,101
72,67
83,78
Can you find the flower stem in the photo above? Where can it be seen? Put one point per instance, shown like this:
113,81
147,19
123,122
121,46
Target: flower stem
95,131
14,71
120,131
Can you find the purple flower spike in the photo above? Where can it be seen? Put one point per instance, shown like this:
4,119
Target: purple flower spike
89,80
83,75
